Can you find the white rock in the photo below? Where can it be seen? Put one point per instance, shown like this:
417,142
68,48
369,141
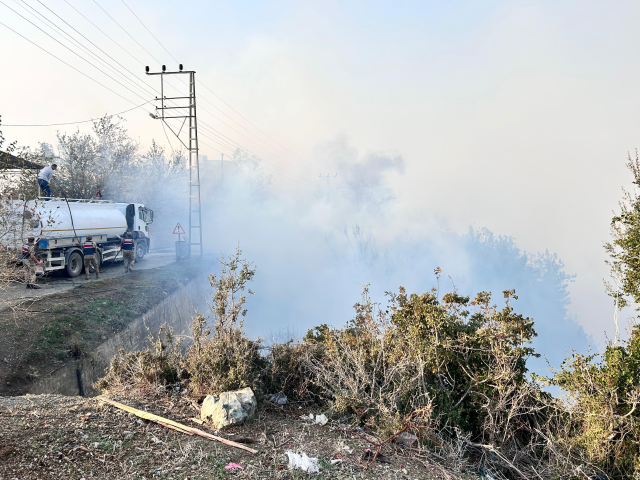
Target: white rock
230,408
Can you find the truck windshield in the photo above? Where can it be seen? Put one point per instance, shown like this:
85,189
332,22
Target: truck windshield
145,214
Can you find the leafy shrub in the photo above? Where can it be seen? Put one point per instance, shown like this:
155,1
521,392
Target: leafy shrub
223,360
159,366
603,407
219,359
457,368
286,370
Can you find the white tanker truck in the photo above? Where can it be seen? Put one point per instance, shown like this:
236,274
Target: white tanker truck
59,225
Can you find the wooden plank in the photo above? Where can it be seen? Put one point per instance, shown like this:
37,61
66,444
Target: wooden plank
175,428
170,423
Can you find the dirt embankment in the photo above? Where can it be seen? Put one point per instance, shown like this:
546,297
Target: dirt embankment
39,336
49,436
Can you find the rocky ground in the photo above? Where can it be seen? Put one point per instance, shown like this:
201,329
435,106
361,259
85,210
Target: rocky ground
53,437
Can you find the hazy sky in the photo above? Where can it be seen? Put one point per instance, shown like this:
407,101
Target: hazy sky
515,116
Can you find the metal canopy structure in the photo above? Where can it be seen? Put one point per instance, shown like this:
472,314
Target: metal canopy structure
195,213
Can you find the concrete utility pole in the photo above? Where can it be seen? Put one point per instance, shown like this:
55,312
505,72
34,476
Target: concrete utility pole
195,214
328,178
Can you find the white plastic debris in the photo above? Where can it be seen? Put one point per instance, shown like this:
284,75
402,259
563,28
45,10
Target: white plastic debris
321,419
302,462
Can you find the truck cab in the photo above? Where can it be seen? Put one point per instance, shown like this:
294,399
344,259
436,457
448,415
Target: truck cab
139,218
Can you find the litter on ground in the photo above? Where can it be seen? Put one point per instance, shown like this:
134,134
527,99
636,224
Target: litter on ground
233,466
321,419
303,462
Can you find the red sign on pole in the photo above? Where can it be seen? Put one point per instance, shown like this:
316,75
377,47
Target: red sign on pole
179,230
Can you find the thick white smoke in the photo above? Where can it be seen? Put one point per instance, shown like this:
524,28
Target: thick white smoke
314,249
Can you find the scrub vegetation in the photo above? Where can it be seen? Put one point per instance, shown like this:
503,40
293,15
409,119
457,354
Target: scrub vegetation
449,368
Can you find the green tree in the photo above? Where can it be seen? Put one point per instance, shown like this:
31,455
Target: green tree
624,247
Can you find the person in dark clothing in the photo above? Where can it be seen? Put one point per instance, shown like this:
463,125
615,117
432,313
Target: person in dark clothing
128,247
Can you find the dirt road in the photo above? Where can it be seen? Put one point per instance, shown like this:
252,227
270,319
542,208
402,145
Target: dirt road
64,323
59,282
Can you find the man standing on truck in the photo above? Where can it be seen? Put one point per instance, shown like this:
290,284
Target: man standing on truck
44,179
90,252
128,247
29,261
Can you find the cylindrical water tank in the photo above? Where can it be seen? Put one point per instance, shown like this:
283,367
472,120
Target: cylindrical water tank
89,218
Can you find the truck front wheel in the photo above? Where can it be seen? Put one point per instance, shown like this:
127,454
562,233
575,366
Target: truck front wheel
74,264
141,249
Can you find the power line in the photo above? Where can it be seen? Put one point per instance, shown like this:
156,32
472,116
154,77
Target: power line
114,41
204,124
213,131
92,43
81,121
86,49
174,58
244,136
102,31
299,180
249,122
67,64
249,131
204,98
237,145
173,152
152,56
125,31
72,51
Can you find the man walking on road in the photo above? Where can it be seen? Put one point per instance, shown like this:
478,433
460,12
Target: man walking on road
128,247
44,179
29,261
90,258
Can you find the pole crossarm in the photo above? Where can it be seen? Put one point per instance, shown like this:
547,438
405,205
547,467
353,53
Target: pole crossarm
172,73
195,205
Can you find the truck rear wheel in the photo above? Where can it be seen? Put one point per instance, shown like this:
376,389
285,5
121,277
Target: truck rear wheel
74,264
